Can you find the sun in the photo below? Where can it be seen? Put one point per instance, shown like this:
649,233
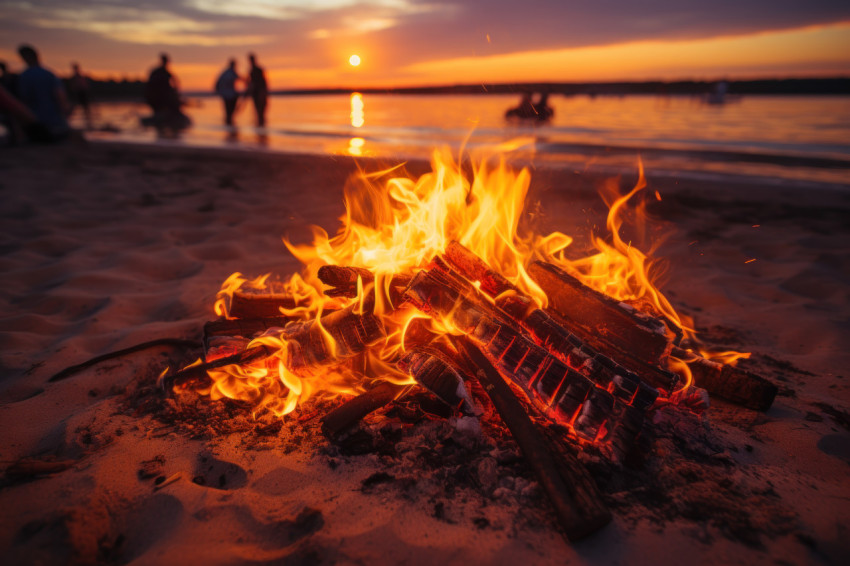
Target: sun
354,60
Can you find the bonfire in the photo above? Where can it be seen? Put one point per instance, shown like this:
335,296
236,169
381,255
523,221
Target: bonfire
444,283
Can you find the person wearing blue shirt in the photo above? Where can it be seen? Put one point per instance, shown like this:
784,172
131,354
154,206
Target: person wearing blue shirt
43,93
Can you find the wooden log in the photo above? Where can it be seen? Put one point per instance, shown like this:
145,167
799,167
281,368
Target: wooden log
245,327
439,375
308,343
475,269
623,327
198,373
730,383
345,416
614,329
259,305
574,495
342,281
590,411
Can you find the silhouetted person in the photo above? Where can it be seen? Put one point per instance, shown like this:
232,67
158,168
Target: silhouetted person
79,88
43,93
163,96
258,89
542,108
8,80
225,86
524,110
9,104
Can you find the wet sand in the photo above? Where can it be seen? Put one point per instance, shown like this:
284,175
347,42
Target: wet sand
106,246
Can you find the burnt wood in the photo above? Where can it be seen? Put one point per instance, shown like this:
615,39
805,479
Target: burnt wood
730,383
345,416
475,269
259,305
570,488
198,373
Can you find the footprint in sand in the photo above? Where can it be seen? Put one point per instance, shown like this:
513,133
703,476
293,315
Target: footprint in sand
218,474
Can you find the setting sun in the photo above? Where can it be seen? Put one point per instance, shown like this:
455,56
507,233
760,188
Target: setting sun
354,60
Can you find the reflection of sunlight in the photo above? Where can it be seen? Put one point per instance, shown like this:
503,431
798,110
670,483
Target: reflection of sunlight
355,146
358,117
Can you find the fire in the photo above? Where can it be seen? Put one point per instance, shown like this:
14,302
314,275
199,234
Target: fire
395,224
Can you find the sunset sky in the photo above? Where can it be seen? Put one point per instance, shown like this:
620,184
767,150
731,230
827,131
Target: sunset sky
425,42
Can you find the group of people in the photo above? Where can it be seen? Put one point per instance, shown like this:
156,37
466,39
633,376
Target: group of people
529,109
35,105
256,88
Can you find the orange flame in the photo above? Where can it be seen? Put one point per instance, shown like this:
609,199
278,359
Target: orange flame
395,224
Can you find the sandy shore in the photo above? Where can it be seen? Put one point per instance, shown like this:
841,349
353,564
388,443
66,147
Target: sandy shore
107,246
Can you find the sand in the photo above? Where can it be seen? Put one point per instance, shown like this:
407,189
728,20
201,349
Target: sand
106,246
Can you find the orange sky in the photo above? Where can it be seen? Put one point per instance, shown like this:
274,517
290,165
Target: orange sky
413,42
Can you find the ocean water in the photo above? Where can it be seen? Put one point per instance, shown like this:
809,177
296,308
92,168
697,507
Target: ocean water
793,138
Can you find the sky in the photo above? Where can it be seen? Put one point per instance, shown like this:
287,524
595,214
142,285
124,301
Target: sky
304,44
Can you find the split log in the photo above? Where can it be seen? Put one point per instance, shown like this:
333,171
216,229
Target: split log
571,490
730,383
342,281
476,269
259,305
337,336
345,416
637,341
611,413
439,375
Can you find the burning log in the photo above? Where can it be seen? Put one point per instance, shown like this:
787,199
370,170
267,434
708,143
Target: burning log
198,373
336,336
730,383
259,305
610,410
342,281
636,340
345,416
246,327
475,269
438,375
571,490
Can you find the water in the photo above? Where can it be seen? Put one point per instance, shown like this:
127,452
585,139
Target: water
802,138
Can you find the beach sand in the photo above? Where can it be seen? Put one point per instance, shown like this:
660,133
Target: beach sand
106,246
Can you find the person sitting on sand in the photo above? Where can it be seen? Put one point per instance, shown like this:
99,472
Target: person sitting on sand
162,93
43,93
258,90
225,86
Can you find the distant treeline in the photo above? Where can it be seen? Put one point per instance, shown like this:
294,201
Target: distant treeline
133,89
813,86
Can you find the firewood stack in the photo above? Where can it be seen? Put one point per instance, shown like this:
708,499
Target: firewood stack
589,364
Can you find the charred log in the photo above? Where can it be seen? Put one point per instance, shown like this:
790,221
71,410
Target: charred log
197,374
345,416
342,280
730,383
570,488
436,373
259,305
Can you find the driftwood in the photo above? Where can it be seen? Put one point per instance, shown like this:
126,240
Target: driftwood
730,383
570,488
259,305
345,416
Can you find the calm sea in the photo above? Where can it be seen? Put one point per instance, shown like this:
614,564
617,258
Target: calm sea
802,138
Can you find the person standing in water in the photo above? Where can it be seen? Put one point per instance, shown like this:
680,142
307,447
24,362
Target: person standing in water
80,89
225,86
258,89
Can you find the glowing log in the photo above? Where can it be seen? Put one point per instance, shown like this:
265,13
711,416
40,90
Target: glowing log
342,280
561,392
637,341
259,305
570,488
729,383
335,337
439,375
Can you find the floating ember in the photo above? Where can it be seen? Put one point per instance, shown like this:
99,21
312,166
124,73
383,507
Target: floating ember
432,282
